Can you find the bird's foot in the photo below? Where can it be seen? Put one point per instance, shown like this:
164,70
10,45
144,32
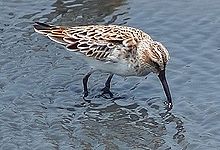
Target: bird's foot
106,91
85,94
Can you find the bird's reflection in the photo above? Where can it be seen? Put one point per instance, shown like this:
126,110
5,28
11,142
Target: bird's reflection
81,12
132,125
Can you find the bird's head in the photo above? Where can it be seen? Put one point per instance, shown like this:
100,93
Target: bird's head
156,57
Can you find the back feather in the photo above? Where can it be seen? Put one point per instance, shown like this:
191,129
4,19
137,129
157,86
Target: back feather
96,41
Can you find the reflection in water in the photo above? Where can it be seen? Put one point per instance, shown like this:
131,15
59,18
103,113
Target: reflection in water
81,12
131,126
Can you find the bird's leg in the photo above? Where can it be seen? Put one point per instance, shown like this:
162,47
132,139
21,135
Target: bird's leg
85,83
106,89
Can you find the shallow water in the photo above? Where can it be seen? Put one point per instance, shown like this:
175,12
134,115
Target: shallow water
40,82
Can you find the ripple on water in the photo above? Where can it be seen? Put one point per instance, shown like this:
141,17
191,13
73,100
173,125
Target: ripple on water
41,105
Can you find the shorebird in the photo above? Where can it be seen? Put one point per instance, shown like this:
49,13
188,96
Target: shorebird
120,50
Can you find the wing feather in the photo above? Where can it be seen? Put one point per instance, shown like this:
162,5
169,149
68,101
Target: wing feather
96,41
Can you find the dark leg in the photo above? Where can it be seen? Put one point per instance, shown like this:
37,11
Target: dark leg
85,83
106,89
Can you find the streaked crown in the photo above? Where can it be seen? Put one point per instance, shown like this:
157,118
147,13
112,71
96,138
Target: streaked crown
159,56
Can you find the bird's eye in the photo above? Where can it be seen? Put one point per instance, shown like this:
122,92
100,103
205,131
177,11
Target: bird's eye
157,66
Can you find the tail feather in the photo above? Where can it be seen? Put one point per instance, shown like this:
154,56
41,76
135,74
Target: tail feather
42,28
59,34
40,25
55,33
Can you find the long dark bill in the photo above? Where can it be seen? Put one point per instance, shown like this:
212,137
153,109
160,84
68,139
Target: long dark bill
163,81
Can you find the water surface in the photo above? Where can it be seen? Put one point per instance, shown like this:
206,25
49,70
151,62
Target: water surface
40,82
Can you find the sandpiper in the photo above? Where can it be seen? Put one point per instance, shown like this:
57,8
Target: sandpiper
120,50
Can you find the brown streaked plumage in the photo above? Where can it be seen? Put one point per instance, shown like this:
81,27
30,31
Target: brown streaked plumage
120,50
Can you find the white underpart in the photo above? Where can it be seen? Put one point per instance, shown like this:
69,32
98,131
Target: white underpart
121,67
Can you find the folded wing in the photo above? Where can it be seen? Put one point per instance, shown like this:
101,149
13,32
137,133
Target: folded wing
96,41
